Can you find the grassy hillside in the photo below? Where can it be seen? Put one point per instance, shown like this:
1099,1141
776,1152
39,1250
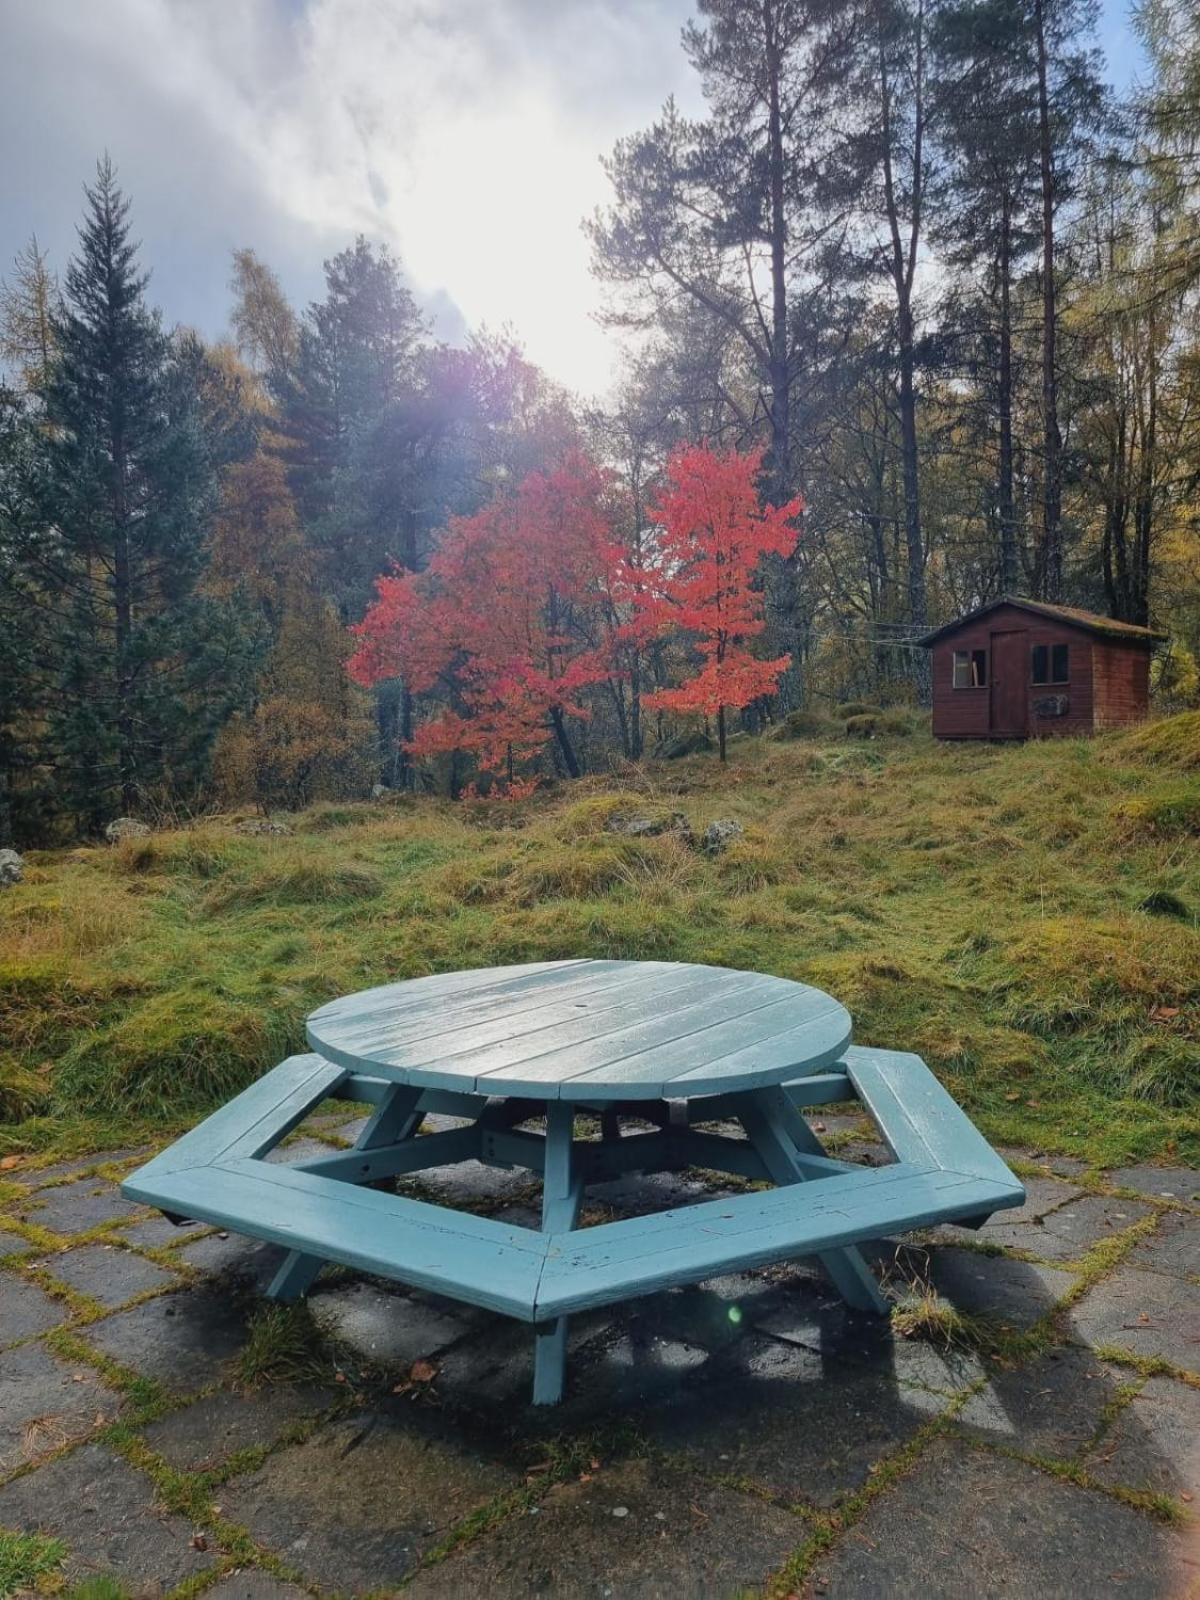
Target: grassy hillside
1027,918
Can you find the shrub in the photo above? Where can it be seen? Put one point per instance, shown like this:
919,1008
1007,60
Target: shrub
878,724
858,708
803,725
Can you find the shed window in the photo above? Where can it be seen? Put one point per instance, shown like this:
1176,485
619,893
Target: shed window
1050,663
970,669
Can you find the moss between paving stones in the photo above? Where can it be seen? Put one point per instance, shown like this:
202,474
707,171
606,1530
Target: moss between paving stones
200,1497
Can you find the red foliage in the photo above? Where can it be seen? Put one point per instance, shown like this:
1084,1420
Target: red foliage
530,603
504,620
713,536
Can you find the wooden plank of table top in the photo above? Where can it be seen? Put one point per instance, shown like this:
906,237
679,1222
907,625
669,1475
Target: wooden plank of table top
438,988
587,1030
669,1009
541,1064
433,1035
732,1050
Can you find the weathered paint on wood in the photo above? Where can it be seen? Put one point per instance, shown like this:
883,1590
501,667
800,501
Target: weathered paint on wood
729,1037
587,1031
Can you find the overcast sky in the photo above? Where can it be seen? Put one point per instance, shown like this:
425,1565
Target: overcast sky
465,133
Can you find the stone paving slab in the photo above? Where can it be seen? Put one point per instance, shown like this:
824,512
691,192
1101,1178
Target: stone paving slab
492,1369
1147,1313
200,1437
156,1233
1161,1183
808,1430
250,1584
1069,1232
302,1149
1015,1294
105,1512
1173,1247
357,1506
1042,1196
1154,1443
46,1403
384,1327
639,1530
76,1207
184,1341
25,1310
763,1402
231,1255
968,1522
108,1274
1052,1406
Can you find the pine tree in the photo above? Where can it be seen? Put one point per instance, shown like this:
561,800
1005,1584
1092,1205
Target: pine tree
148,668
28,302
23,629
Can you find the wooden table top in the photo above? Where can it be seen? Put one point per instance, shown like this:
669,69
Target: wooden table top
586,1031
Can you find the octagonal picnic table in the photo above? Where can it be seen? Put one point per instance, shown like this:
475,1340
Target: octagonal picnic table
520,1053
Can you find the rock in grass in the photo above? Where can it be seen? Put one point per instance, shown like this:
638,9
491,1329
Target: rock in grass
636,826
12,868
126,828
262,825
719,835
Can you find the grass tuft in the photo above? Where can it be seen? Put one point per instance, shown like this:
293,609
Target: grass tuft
26,1558
286,1344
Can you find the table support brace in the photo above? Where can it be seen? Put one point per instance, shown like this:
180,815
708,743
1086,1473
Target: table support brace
394,1121
783,1139
562,1197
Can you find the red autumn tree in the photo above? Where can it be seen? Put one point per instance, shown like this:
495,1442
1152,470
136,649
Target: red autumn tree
507,626
713,535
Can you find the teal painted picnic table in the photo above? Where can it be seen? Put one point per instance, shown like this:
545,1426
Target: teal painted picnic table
665,1055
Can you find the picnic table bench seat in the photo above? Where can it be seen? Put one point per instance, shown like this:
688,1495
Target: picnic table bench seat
944,1171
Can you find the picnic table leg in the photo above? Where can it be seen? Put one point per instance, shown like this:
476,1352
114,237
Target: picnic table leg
562,1196
778,1131
394,1120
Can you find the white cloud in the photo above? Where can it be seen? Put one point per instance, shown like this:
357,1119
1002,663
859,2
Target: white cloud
465,133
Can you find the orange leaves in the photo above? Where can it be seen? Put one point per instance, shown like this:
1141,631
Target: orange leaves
507,622
532,602
714,536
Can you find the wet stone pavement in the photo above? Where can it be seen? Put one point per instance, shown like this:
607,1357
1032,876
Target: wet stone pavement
1029,1425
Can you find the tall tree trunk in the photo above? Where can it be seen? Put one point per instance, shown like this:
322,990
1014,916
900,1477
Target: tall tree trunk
122,592
913,538
779,374
1009,571
721,731
635,658
559,726
783,578
903,269
1052,548
1143,510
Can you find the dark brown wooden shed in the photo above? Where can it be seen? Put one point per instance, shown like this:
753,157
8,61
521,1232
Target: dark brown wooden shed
1019,669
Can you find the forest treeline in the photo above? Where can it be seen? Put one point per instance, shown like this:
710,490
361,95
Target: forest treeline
916,263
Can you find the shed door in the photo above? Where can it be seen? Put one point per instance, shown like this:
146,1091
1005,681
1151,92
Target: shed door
1009,703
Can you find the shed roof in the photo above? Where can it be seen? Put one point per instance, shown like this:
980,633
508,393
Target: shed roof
1073,616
